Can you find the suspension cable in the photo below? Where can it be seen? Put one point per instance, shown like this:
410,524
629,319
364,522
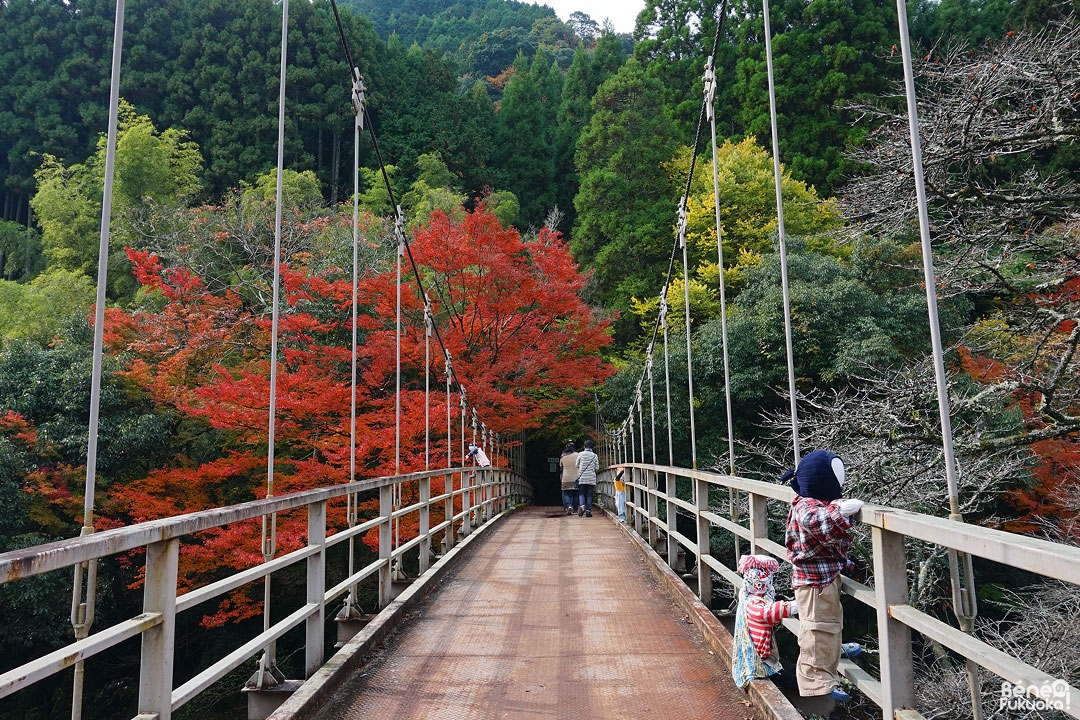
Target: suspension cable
961,571
781,235
367,122
267,674
680,243
350,609
82,609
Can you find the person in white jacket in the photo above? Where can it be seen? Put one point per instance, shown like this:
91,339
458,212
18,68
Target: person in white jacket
477,454
587,464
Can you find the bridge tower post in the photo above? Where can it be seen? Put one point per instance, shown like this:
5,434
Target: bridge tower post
890,586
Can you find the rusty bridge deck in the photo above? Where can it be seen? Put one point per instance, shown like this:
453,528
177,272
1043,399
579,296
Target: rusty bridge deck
551,616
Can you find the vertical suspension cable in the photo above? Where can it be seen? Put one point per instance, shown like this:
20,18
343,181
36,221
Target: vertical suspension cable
82,609
961,572
686,306
640,423
465,493
448,536
781,233
399,232
652,403
449,429
667,373
267,672
710,95
427,382
710,109
358,99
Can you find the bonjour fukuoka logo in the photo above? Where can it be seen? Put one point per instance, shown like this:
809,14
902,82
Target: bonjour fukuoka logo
1056,695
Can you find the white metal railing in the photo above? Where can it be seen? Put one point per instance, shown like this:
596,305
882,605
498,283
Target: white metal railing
471,496
650,486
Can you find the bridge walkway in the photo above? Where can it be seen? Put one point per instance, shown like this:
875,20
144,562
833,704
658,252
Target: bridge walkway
550,616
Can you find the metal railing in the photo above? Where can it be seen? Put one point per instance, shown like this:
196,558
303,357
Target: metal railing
653,504
468,500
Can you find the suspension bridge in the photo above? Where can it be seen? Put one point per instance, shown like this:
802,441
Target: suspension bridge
500,606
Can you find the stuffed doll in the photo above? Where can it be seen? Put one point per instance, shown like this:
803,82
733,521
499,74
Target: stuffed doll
754,653
818,538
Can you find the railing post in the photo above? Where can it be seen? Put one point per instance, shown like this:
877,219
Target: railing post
670,485
485,485
316,589
425,523
466,503
704,547
158,643
652,507
759,521
890,586
386,543
448,490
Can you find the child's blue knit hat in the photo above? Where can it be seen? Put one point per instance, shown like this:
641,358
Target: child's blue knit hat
815,476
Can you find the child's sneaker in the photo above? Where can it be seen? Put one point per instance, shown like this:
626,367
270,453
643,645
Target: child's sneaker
839,694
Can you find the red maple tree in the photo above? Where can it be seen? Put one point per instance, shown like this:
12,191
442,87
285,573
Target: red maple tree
507,309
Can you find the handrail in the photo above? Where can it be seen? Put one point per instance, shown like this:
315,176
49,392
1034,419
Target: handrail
471,495
651,496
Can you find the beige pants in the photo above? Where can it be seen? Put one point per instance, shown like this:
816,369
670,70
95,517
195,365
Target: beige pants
821,618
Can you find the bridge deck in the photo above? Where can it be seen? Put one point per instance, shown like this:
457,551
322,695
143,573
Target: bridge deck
552,616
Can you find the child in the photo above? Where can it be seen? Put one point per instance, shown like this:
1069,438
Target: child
620,495
754,653
818,538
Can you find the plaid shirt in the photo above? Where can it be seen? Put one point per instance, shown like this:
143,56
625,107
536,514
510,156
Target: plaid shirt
818,541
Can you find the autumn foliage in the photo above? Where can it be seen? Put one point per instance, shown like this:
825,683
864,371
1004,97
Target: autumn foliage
507,309
1047,502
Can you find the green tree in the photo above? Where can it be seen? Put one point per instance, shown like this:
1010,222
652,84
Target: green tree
20,252
40,309
298,189
67,213
574,113
748,221
826,53
674,39
151,167
53,82
435,189
525,152
627,203
970,21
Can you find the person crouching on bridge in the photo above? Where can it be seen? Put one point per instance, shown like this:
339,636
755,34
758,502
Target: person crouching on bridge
477,455
818,538
754,654
587,464
569,477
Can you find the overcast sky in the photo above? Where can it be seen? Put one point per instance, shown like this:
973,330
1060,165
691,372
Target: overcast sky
621,12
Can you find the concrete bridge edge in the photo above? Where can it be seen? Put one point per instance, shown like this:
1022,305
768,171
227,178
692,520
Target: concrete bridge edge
762,694
309,699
